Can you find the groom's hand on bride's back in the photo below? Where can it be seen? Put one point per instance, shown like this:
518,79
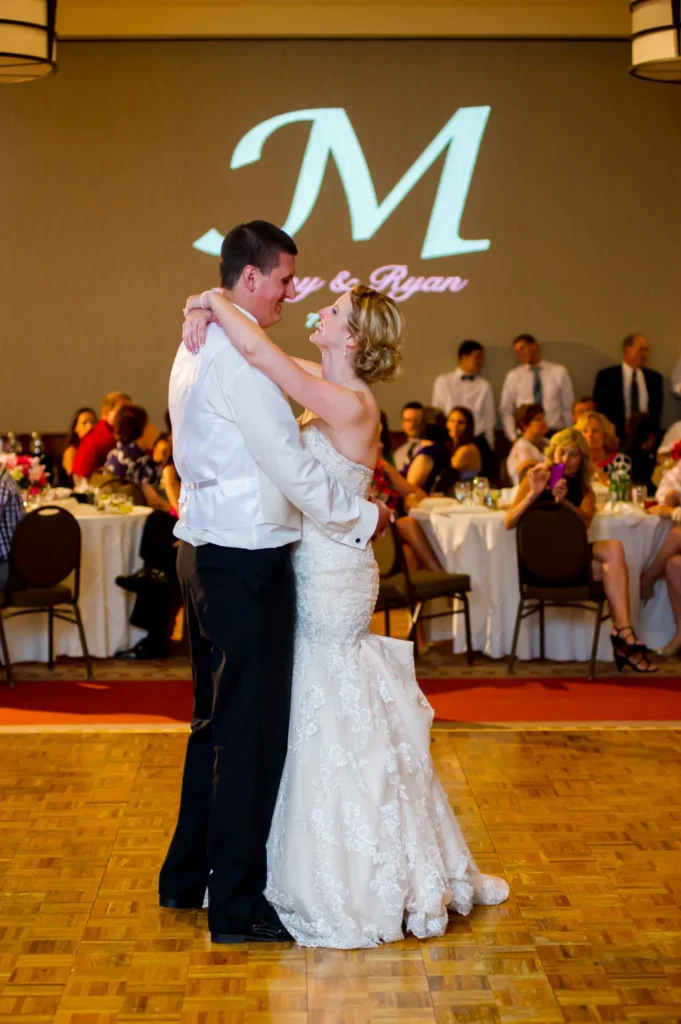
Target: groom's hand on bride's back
194,328
385,517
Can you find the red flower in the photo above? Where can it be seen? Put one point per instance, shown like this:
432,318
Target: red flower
676,451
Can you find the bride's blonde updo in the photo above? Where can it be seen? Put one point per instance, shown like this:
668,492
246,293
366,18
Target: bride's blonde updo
377,326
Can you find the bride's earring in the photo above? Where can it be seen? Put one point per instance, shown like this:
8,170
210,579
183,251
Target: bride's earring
345,352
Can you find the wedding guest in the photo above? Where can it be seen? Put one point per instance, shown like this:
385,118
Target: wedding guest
602,442
630,395
466,458
672,437
398,494
94,448
676,378
411,425
128,461
155,584
582,405
163,445
608,563
667,563
82,423
466,387
536,381
528,450
11,511
431,455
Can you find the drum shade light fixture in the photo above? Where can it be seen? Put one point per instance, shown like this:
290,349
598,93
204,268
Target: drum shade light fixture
656,40
28,41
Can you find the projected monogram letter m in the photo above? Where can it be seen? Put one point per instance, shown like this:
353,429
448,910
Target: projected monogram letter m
332,135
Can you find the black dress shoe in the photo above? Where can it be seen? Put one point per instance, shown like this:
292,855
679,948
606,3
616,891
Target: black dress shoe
148,647
260,931
142,580
171,903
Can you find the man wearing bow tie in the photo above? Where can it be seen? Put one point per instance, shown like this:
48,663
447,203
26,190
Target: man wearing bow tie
466,387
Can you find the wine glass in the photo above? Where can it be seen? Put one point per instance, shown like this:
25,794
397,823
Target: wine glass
480,489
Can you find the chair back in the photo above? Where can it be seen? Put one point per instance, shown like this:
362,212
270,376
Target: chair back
129,489
45,550
388,553
552,545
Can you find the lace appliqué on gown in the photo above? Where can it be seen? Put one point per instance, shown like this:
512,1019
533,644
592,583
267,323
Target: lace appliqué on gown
363,840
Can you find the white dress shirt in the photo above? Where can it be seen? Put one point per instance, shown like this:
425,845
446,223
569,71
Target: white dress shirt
521,452
450,389
676,378
627,375
244,471
558,395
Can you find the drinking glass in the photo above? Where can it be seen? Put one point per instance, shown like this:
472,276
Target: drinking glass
639,496
460,492
480,489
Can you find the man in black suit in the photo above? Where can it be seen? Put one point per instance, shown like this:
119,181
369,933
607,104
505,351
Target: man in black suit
630,395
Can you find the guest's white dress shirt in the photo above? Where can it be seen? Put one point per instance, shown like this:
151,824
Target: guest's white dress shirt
558,395
245,474
627,375
676,378
521,452
471,391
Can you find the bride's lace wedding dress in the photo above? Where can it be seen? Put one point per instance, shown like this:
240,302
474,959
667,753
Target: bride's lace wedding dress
363,839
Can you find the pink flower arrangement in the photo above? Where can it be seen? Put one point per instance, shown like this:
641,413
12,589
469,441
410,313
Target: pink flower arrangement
28,473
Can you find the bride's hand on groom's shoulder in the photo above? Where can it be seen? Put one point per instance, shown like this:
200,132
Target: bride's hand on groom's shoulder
194,328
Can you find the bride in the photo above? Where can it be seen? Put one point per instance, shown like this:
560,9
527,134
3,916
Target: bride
363,842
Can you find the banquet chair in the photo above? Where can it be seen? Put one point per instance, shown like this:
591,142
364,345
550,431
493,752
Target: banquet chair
44,576
400,588
129,490
554,559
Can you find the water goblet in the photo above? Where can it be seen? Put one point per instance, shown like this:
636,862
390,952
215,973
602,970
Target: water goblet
460,491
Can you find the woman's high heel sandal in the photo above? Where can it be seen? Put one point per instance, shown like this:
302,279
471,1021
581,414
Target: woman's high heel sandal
635,655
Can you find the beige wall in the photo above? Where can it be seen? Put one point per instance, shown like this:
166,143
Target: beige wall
333,18
115,166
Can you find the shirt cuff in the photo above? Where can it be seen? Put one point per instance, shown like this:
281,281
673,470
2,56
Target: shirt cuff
363,530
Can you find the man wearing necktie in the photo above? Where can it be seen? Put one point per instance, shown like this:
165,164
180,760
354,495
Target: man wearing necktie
536,381
631,396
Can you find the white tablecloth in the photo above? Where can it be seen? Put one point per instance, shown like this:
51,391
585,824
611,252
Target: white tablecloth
474,541
110,546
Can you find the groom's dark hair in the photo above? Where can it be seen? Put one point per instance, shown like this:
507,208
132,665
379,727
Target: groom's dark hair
255,244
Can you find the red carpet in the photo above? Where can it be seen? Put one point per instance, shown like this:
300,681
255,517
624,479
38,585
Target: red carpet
622,699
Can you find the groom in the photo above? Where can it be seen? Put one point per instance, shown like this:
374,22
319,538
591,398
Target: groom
245,476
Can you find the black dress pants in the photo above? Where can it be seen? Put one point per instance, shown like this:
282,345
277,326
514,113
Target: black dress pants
240,608
155,610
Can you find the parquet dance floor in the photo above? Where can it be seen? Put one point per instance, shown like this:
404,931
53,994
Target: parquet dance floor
586,826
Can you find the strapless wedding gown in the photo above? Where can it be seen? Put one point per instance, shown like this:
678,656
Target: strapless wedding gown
363,840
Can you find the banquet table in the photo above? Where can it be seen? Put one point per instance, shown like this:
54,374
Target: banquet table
473,540
109,548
